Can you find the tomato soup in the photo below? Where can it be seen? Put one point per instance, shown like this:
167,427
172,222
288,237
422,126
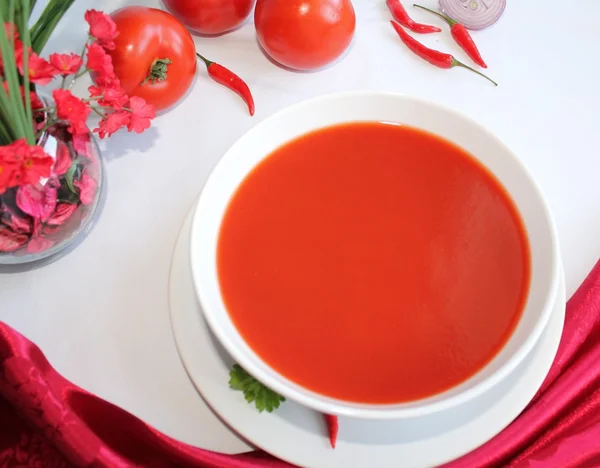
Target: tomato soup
373,262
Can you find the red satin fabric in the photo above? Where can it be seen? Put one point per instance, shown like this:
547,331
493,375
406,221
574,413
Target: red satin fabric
47,422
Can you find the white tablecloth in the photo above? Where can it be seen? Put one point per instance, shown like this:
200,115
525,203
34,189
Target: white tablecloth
101,313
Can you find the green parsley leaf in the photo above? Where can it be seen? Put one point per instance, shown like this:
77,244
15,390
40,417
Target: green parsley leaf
264,398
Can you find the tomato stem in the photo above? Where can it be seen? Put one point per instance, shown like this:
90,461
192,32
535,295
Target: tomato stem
158,71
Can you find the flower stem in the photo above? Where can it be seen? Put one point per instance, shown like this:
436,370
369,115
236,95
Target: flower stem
97,111
77,73
46,127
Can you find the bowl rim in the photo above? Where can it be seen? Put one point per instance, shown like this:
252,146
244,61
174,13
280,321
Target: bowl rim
330,405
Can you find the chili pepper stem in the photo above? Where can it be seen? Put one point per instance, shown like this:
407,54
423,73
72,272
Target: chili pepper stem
456,63
447,19
207,62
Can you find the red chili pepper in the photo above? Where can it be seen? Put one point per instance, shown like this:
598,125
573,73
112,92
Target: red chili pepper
439,59
461,36
332,427
230,80
400,15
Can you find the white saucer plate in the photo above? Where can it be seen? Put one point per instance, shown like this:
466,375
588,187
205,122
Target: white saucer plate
298,435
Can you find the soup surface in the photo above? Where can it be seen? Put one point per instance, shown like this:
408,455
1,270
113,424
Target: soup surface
374,263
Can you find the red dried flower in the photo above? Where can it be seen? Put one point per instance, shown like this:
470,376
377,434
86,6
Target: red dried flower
36,245
71,110
10,240
82,146
62,213
66,64
102,28
37,201
87,186
15,222
63,159
141,114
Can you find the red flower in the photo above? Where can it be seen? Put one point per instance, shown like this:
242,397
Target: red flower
102,28
66,64
113,122
112,95
141,114
36,103
21,163
40,71
7,173
100,63
72,110
87,186
11,30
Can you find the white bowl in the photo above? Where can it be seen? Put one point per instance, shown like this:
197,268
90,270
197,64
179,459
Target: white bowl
270,134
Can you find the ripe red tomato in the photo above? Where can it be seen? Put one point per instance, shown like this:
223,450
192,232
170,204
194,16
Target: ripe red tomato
147,35
304,34
210,16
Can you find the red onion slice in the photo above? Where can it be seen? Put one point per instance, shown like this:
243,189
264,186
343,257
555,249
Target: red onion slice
474,14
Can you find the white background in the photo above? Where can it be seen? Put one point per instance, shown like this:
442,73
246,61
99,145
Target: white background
100,313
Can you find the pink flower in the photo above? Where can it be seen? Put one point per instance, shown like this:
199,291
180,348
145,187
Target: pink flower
21,163
100,63
141,114
37,201
62,213
110,95
10,240
87,186
39,244
66,64
113,122
102,28
72,110
36,102
40,71
82,146
63,159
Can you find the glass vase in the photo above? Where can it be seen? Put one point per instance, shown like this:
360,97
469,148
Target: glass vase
64,204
